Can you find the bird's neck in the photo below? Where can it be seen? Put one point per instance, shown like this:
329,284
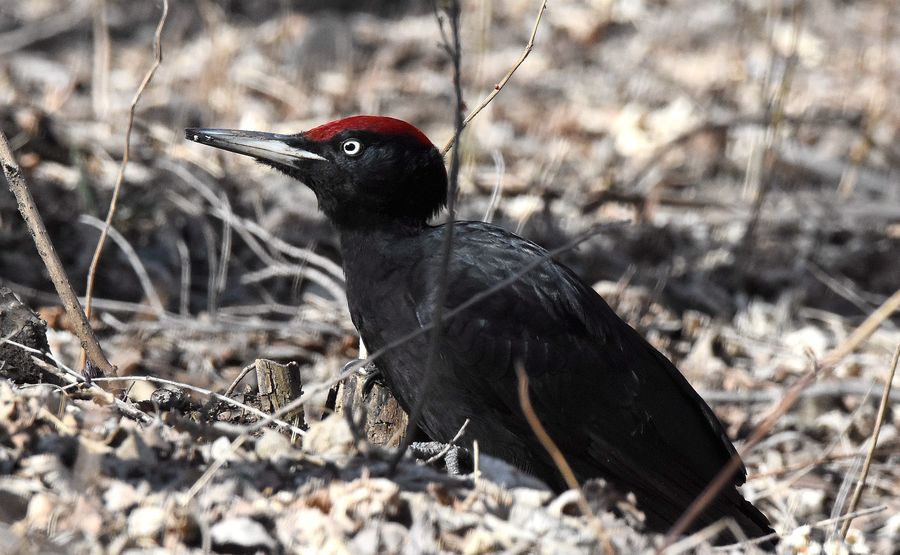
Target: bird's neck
370,257
368,244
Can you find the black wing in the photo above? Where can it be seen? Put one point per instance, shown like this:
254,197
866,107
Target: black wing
616,406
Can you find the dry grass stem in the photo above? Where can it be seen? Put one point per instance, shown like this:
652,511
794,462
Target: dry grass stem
829,361
558,458
690,543
100,77
135,261
863,331
120,177
819,524
546,441
759,176
879,420
212,469
822,390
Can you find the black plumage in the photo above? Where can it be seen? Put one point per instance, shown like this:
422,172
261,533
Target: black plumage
615,406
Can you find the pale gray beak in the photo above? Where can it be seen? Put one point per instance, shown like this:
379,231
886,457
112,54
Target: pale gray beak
271,147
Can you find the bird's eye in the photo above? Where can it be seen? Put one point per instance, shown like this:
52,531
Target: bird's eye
351,147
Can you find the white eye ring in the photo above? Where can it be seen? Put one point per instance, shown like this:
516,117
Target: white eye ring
351,147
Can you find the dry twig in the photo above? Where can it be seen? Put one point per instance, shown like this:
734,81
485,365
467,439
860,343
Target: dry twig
246,370
443,452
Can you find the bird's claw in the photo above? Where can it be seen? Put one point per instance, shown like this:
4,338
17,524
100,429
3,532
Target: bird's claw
373,376
457,460
359,363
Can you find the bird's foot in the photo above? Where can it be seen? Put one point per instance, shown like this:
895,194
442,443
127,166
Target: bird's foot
457,460
359,363
373,376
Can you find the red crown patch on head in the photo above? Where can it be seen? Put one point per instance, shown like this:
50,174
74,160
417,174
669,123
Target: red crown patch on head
376,124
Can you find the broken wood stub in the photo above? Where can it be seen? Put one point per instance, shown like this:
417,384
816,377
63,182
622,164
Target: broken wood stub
279,384
385,422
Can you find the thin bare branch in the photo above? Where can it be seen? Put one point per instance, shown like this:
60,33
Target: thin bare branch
267,418
454,49
72,377
133,259
499,86
35,223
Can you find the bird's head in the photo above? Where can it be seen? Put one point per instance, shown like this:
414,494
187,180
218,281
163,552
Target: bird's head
364,170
